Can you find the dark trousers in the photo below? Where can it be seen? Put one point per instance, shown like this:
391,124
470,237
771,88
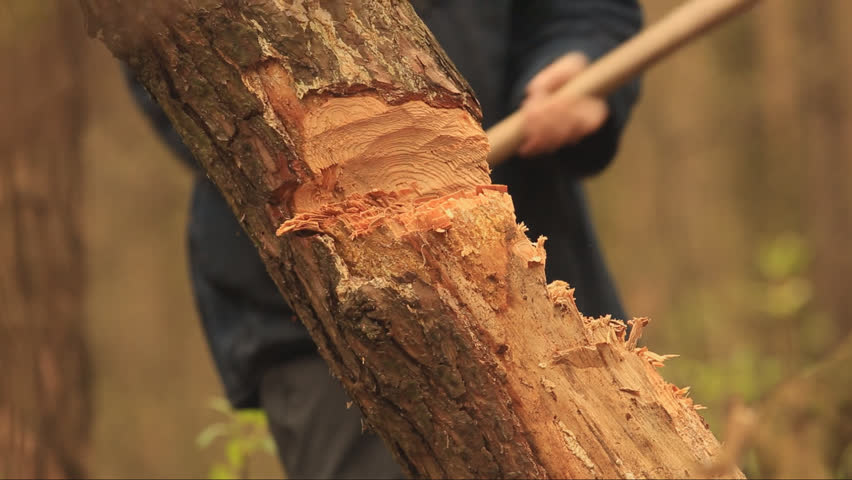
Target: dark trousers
316,435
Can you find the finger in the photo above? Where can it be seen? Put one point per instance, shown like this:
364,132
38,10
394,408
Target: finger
550,78
542,144
551,125
542,125
591,113
543,134
549,140
567,122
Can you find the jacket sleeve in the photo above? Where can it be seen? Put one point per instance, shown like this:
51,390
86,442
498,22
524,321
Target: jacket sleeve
158,119
544,30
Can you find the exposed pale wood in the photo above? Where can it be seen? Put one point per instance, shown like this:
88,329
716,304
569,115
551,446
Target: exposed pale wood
362,144
343,128
623,63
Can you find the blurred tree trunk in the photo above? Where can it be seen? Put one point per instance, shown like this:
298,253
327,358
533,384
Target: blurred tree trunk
826,122
808,110
807,107
343,127
44,394
806,425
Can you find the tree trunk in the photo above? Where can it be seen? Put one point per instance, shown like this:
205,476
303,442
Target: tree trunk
343,127
807,421
44,394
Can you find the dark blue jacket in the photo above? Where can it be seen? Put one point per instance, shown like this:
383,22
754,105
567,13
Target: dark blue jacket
498,45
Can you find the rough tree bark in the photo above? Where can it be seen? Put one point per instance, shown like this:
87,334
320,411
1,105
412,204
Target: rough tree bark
44,392
343,127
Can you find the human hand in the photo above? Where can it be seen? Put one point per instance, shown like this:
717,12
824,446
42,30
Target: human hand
551,125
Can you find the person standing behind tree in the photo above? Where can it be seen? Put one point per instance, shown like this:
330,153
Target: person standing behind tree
513,54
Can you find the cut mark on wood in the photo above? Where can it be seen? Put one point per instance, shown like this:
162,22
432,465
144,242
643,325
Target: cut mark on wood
562,295
586,356
549,387
402,211
533,253
371,145
574,446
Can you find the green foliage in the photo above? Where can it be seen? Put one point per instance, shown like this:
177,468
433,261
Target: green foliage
243,434
747,336
782,262
783,256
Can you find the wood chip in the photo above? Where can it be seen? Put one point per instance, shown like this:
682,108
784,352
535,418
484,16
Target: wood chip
549,387
682,392
636,332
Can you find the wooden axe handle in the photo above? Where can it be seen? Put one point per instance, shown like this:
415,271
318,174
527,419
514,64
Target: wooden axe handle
623,63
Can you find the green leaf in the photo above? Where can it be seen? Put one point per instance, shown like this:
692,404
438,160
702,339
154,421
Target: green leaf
789,297
220,405
222,472
268,445
212,432
236,453
245,433
254,417
785,255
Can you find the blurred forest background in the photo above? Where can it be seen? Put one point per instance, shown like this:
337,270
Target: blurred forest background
726,219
